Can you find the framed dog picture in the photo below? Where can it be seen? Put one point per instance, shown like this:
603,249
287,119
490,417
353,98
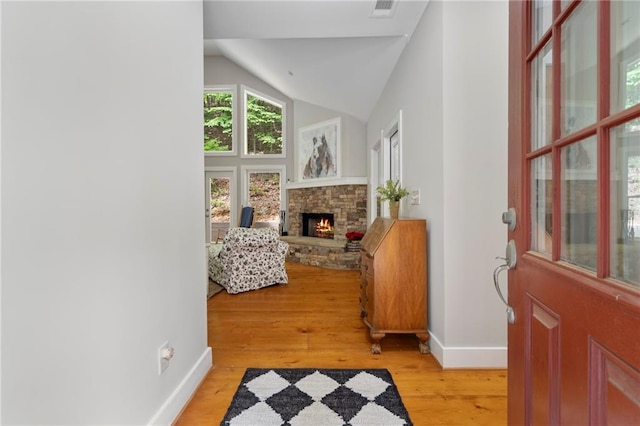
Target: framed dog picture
318,150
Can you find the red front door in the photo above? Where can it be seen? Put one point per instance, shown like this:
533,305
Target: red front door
574,181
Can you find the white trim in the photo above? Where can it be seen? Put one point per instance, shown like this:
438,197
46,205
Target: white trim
175,403
385,156
357,180
244,90
232,169
468,357
394,126
234,119
374,180
1,212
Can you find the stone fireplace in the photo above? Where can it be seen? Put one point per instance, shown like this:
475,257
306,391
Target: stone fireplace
347,203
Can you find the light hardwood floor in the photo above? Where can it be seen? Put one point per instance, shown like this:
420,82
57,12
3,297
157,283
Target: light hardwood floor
314,321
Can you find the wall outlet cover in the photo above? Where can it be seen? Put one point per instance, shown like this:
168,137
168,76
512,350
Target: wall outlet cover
415,197
165,353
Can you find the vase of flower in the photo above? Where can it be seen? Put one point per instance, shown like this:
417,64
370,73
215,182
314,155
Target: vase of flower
353,246
392,192
394,209
353,241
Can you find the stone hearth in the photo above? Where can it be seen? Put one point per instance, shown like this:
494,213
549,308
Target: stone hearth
321,252
348,203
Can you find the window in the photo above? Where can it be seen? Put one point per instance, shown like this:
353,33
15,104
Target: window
219,133
263,189
220,201
264,124
395,156
393,148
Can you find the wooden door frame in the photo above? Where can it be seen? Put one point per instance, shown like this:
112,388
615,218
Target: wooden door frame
515,173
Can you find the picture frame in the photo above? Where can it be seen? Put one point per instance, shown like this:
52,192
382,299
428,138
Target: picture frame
319,150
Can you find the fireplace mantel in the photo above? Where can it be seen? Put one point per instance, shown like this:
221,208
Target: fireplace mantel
314,183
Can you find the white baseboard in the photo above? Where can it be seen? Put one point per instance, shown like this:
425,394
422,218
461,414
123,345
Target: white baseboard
468,357
172,407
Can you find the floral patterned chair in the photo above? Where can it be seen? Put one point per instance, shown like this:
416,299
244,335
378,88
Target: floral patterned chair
248,259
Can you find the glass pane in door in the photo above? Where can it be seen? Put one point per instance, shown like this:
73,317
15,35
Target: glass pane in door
625,204
625,58
578,69
579,203
541,98
264,197
542,16
220,206
625,55
541,205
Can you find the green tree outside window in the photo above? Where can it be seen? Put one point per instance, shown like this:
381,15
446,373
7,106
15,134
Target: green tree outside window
218,121
264,126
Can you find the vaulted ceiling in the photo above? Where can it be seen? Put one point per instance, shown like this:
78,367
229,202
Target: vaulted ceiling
337,54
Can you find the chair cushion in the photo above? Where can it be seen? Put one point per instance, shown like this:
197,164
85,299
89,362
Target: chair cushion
250,238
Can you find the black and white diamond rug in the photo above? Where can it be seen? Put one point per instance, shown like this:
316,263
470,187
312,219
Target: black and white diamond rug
307,396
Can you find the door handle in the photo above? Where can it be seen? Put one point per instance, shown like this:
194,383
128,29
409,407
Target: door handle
509,218
510,263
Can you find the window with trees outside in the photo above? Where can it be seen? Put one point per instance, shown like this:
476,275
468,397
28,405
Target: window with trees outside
264,121
263,189
219,111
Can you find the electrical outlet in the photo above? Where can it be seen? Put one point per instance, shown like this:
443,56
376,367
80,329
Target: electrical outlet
165,353
415,197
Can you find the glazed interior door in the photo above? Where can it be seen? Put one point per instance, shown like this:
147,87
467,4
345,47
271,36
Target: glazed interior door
220,188
574,181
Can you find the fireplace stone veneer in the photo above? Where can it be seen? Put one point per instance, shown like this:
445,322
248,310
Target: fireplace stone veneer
347,203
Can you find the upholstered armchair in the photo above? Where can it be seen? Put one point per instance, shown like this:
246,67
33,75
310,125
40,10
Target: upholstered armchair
248,259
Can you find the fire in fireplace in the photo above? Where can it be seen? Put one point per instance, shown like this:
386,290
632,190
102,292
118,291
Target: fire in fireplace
319,225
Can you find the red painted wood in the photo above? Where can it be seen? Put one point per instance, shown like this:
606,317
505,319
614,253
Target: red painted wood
614,389
574,350
543,331
519,27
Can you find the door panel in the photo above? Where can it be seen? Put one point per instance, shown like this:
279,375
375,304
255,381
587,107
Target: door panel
543,384
562,313
574,178
614,391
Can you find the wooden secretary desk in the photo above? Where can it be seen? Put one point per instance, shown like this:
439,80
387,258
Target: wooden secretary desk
393,285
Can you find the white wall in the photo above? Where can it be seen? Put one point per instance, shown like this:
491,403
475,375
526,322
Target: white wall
218,70
451,85
1,211
102,233
353,136
475,79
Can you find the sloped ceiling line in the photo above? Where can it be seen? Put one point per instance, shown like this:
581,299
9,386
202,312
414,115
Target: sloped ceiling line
330,53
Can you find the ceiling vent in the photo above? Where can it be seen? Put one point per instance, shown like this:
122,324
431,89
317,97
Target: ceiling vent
383,8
